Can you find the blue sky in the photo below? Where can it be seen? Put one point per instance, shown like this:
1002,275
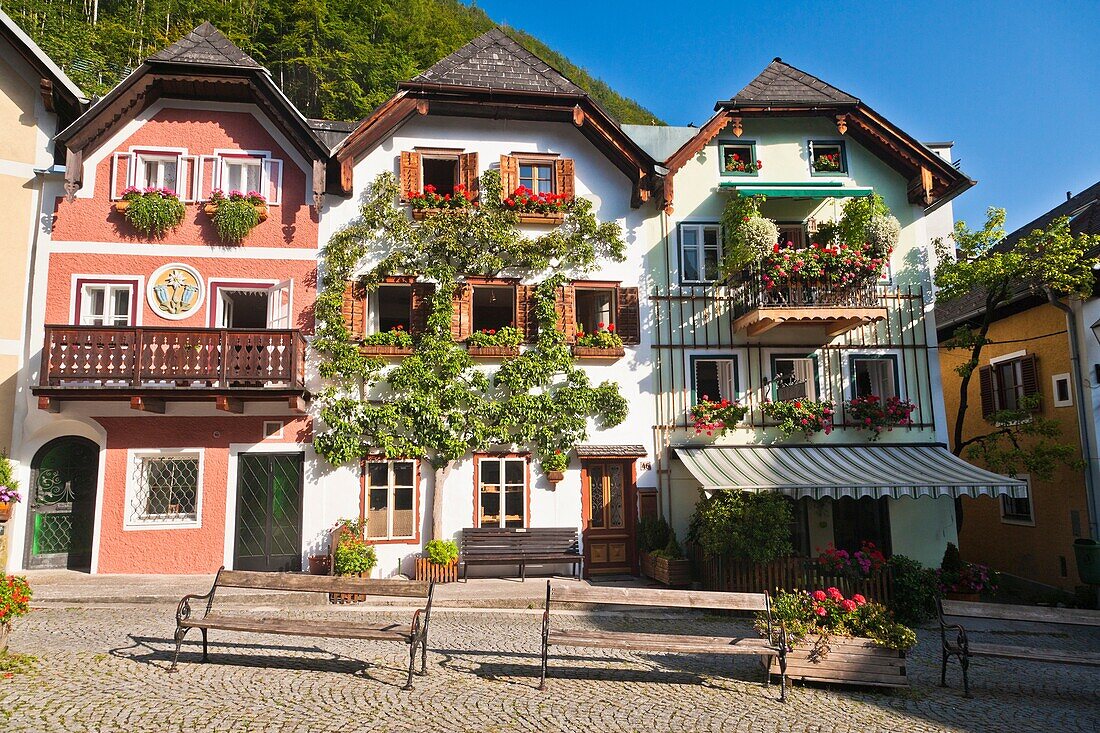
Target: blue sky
1012,83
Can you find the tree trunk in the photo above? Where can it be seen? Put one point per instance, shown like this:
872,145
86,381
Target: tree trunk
437,502
992,301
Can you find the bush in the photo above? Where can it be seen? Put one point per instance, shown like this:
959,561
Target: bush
556,461
15,598
441,552
826,612
671,550
153,211
914,594
236,215
9,486
508,336
353,555
746,525
652,534
398,337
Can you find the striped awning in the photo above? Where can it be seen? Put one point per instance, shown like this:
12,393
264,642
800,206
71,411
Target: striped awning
820,471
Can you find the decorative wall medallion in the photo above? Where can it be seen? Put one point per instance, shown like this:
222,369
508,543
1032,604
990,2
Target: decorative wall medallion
175,291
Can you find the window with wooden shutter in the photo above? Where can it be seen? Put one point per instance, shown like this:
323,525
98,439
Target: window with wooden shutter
564,179
1029,375
463,312
1009,383
629,320
526,318
421,306
354,308
566,308
468,172
985,382
409,176
509,175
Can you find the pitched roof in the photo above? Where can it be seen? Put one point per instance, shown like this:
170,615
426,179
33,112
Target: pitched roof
782,83
494,61
34,55
207,46
1084,212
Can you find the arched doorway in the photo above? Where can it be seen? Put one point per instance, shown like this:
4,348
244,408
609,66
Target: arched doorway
61,504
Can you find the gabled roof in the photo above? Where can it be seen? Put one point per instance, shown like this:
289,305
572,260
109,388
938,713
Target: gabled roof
494,61
1084,212
62,85
781,83
206,46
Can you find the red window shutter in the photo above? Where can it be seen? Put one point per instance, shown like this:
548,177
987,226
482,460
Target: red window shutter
563,174
468,171
421,307
526,320
409,177
1029,376
354,308
509,175
985,382
628,318
462,318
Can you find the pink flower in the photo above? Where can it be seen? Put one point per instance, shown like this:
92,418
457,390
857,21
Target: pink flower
834,593
859,600
848,606
820,610
819,595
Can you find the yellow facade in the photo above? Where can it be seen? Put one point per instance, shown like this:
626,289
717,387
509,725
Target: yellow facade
1042,550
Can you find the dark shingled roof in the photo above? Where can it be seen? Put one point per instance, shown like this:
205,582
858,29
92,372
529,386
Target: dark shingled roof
782,83
1084,212
205,45
332,132
610,451
494,61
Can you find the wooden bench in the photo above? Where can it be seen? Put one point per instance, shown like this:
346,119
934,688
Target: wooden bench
557,591
520,546
963,648
415,634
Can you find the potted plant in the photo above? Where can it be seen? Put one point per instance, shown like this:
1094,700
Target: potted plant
429,201
869,642
863,563
153,212
494,342
827,162
554,466
320,564
396,341
9,489
800,416
531,207
15,598
235,214
874,414
438,562
964,581
662,558
736,164
603,344
712,417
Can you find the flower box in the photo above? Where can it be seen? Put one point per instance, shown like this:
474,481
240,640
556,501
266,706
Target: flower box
844,661
384,350
121,206
493,351
422,214
211,209
428,570
535,218
670,572
555,477
6,510
599,352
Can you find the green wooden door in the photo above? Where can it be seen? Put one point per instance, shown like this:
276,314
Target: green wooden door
269,512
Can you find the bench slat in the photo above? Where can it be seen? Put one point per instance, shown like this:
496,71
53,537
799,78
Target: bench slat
661,642
580,593
301,627
1007,612
1005,651
322,583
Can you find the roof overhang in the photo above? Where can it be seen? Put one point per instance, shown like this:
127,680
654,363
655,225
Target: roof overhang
838,471
58,91
424,98
794,190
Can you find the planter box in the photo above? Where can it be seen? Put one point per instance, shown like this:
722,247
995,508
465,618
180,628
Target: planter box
211,209
669,572
428,570
343,598
421,214
494,351
597,352
554,477
847,661
6,510
121,206
384,350
540,218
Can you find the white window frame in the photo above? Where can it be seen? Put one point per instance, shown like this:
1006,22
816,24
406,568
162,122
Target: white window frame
727,377
133,461
700,248
269,168
390,487
109,289
893,375
273,433
1054,380
161,159
502,460
374,309
1029,521
814,379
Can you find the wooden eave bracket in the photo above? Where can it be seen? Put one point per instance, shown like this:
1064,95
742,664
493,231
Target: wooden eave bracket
45,88
229,404
49,404
147,404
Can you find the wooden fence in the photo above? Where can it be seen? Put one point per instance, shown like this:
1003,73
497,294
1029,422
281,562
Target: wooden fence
787,573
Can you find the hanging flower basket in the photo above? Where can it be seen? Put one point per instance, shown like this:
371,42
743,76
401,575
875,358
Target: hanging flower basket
152,211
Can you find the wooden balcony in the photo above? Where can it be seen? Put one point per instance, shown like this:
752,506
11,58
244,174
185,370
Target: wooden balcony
151,366
833,307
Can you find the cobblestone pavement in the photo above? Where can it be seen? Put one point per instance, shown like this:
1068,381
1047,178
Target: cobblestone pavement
103,669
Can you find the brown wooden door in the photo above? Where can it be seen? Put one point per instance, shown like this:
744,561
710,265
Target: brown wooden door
608,496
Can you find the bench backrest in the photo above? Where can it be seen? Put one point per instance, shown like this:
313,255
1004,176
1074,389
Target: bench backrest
576,592
321,583
1034,614
493,540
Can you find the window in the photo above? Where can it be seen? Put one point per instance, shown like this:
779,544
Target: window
539,177
1008,384
606,503
391,308
165,489
441,173
794,377
273,428
874,376
502,484
595,309
700,252
106,305
157,171
1017,510
242,174
714,379
792,235
391,490
738,159
1063,395
827,158
246,308
494,307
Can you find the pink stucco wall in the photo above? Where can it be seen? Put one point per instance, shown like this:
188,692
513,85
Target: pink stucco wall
291,224
199,550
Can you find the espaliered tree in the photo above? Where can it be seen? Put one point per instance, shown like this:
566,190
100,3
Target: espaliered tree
1052,263
436,404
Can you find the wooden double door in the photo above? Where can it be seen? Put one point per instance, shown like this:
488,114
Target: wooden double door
609,498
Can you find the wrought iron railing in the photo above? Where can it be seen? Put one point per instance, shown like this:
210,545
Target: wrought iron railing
749,292
96,357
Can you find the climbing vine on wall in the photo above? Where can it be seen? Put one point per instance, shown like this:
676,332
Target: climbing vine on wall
437,404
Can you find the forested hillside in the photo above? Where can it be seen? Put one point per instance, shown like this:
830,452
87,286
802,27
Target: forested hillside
336,59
